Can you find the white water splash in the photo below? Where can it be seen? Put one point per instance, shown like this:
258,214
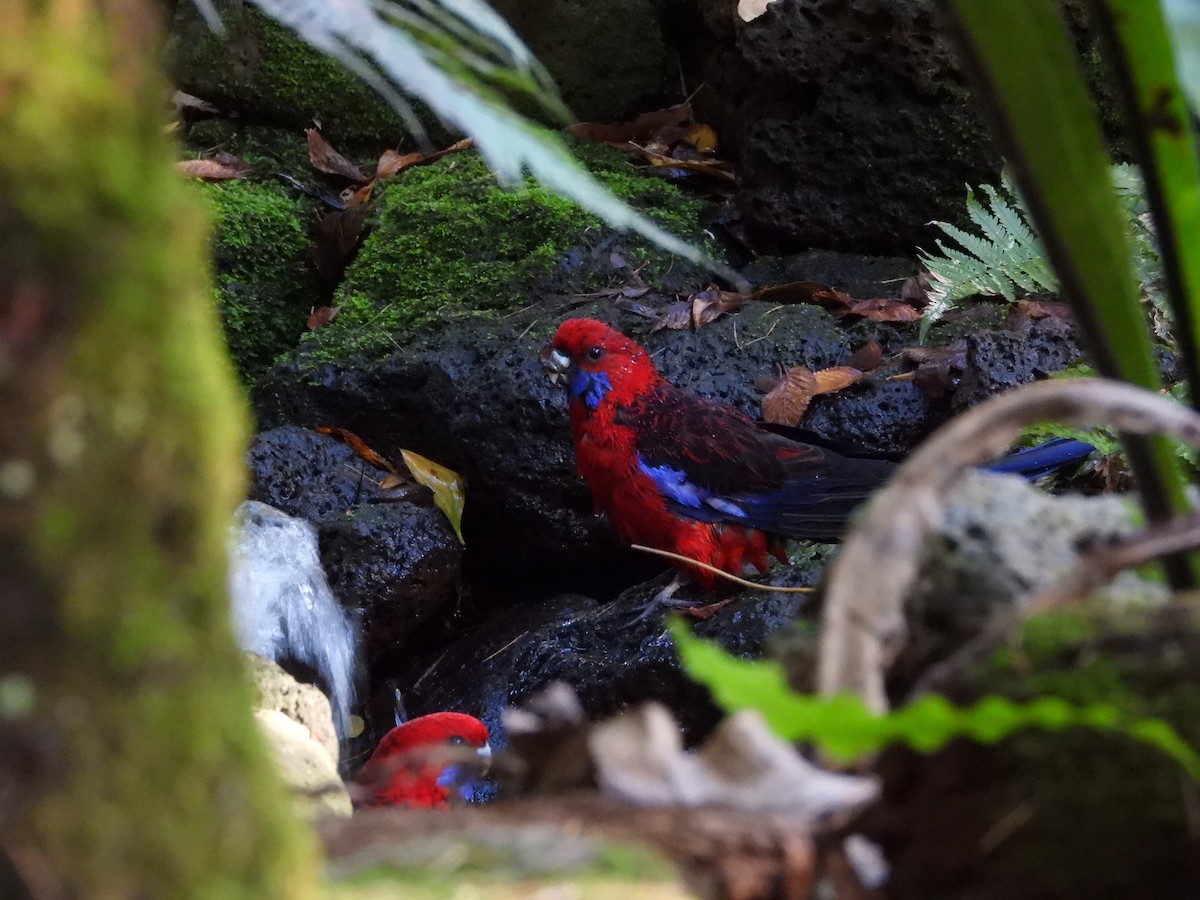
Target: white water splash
282,605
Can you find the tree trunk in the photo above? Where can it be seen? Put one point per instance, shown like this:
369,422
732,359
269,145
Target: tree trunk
129,763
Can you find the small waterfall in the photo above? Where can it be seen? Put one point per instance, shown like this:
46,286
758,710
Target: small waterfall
282,605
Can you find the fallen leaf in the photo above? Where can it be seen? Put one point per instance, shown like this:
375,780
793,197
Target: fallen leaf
359,446
789,399
392,480
325,159
701,138
710,305
916,289
1041,309
880,309
221,168
392,163
938,369
335,238
322,315
449,488
829,381
749,10
641,130
675,316
792,292
868,357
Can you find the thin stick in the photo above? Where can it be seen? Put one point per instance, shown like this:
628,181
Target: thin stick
742,581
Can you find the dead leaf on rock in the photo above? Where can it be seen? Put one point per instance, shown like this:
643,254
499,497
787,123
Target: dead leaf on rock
788,400
749,10
322,315
335,238
222,167
938,369
392,163
675,316
879,309
831,380
868,357
642,130
710,305
325,159
359,446
449,488
916,289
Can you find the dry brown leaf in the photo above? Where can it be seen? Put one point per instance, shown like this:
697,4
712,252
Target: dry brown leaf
392,480
335,238
325,159
359,446
675,316
223,167
938,368
710,305
322,315
392,163
868,357
832,380
880,309
788,400
642,130
792,292
916,289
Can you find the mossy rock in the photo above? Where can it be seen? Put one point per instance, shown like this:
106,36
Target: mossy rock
447,241
259,68
265,283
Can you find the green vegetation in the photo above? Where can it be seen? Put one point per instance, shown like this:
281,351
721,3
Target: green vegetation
265,286
845,729
446,241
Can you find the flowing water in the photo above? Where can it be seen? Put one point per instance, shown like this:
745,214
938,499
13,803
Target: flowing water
283,608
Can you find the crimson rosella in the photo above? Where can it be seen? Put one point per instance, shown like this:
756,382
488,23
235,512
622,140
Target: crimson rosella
681,473
417,764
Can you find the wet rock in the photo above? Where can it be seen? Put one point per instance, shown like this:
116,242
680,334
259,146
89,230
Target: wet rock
260,69
997,361
309,475
611,657
605,57
473,396
398,564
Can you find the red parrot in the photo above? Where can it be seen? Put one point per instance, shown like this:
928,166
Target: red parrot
417,764
677,472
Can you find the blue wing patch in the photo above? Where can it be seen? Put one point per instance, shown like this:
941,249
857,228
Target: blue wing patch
590,387
674,485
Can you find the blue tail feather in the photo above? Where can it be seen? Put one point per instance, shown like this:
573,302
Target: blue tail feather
1034,462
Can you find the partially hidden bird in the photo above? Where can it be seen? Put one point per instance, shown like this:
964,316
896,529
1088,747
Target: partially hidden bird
678,472
421,762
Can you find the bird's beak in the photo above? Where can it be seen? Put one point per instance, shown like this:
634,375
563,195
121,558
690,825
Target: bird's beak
555,362
485,758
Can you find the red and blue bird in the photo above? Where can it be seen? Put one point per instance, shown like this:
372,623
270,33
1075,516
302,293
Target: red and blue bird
681,473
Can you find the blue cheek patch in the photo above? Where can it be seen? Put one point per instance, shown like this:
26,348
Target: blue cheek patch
590,387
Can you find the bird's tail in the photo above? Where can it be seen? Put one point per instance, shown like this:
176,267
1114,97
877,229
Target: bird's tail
1034,462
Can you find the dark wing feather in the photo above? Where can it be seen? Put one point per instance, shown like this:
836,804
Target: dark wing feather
713,464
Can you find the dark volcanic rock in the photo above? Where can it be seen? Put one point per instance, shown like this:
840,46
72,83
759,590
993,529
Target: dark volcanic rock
611,658
308,475
850,122
998,361
473,396
399,563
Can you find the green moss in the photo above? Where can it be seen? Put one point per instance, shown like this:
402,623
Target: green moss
446,240
265,285
261,68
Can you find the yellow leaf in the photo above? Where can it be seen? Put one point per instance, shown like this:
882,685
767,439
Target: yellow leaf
449,488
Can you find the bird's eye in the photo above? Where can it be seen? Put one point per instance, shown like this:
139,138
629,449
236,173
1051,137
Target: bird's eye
595,352
456,739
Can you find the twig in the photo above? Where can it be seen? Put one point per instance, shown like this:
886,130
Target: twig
721,574
506,646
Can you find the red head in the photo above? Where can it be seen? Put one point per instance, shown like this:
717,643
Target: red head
598,363
416,763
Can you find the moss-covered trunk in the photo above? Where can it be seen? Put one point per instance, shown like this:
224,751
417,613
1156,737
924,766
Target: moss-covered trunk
129,764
